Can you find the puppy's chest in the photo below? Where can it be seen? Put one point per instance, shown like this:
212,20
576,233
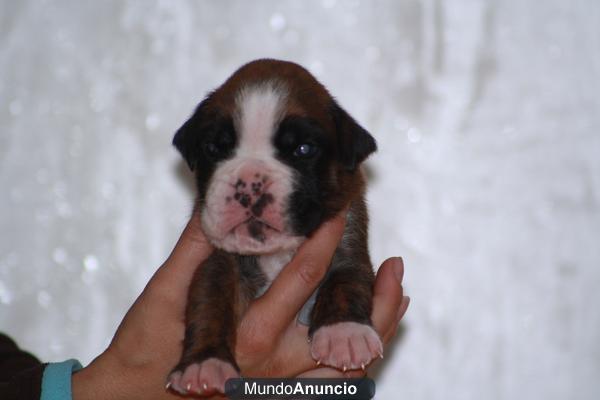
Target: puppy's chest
271,264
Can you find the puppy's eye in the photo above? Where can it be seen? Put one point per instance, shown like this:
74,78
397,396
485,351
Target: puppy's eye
211,149
305,150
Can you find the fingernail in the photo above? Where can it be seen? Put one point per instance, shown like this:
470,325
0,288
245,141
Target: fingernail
402,310
399,268
168,385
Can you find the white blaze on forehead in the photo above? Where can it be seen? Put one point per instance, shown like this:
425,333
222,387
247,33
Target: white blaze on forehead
259,110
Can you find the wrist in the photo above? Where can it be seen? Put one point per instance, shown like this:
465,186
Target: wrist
56,380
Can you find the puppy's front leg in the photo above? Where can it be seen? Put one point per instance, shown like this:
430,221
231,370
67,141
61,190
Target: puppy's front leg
341,332
211,319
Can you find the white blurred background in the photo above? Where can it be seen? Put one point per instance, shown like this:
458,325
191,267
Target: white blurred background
487,181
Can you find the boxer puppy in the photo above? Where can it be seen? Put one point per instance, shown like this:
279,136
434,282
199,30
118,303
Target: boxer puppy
274,156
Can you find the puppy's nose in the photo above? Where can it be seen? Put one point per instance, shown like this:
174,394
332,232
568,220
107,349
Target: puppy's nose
252,181
251,190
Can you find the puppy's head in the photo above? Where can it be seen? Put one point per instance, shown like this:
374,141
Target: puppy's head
274,156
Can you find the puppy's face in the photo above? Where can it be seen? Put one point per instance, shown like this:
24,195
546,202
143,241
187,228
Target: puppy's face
274,156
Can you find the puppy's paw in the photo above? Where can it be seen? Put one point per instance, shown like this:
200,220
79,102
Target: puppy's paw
205,378
346,345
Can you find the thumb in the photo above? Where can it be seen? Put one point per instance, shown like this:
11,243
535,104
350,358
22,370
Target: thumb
191,250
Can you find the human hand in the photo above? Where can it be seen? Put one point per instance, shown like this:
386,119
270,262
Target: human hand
148,342
269,342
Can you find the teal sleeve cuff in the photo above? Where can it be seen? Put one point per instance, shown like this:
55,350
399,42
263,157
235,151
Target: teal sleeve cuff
56,382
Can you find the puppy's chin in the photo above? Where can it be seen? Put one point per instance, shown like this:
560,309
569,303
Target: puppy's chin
241,241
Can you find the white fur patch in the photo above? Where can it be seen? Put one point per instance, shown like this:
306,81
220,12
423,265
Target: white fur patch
272,264
259,111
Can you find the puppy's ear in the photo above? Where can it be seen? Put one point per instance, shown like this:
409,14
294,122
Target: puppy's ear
354,142
187,138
